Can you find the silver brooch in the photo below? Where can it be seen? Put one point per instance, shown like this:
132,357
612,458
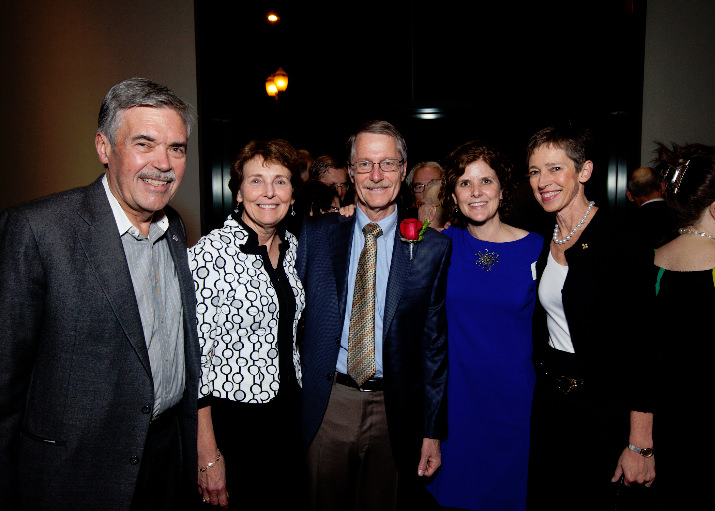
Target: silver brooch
486,260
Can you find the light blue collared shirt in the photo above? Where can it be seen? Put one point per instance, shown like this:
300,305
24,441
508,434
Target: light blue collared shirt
385,243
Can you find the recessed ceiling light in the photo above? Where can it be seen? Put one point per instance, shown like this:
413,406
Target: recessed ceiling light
429,113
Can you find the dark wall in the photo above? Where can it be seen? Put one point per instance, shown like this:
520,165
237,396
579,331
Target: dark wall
498,72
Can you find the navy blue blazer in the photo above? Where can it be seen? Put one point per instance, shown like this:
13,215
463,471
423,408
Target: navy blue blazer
415,331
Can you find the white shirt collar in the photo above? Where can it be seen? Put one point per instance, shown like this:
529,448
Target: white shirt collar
123,222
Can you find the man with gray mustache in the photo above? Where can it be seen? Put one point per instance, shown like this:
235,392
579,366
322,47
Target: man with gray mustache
99,373
374,352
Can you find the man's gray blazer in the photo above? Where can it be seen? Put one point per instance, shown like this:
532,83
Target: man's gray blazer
76,388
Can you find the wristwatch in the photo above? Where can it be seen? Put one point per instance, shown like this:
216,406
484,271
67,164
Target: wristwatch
646,452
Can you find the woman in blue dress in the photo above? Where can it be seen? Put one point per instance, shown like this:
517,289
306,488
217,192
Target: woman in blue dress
490,303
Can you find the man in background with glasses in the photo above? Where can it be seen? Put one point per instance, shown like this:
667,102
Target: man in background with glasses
375,346
418,178
329,171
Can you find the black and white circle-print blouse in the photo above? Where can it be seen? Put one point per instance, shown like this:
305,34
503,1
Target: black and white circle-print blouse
238,314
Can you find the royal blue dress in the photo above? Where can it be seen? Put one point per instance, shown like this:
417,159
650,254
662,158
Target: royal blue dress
491,291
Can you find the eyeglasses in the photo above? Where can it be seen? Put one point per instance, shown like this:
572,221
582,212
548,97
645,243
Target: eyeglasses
387,165
420,187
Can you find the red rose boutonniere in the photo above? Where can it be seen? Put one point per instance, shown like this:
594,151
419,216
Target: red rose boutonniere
412,231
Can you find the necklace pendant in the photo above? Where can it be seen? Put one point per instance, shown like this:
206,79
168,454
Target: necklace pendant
486,260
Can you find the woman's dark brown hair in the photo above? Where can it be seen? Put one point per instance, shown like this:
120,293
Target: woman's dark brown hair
691,190
455,167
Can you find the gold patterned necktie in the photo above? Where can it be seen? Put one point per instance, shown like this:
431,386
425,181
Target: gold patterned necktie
361,336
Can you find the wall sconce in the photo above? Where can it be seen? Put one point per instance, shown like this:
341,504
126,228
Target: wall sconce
281,79
271,88
277,82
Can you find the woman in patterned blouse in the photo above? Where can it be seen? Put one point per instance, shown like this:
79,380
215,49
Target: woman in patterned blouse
249,302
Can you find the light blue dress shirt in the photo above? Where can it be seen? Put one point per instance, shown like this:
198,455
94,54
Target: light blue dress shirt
385,245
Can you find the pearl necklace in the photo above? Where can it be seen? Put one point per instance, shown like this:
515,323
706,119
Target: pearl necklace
573,231
688,230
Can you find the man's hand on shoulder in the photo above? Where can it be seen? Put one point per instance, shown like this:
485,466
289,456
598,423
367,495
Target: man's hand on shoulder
348,210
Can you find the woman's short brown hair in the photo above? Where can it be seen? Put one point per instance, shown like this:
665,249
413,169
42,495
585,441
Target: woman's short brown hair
277,151
576,142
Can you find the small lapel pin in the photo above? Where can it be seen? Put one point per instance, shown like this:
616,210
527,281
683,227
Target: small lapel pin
584,246
175,237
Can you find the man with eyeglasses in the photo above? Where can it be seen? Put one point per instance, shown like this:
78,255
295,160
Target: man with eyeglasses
375,343
420,175
328,170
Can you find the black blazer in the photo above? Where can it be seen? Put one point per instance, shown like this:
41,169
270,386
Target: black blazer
76,390
415,331
608,297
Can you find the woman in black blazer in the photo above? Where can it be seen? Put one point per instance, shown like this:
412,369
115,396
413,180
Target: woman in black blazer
592,397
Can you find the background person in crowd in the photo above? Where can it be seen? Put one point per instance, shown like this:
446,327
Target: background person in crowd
249,302
329,171
685,287
419,176
99,371
315,198
305,160
375,350
432,209
651,220
491,291
593,280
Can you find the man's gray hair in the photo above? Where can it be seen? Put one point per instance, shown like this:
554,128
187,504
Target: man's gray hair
421,165
378,128
134,92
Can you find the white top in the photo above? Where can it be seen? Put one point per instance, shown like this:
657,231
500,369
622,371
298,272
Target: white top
550,287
